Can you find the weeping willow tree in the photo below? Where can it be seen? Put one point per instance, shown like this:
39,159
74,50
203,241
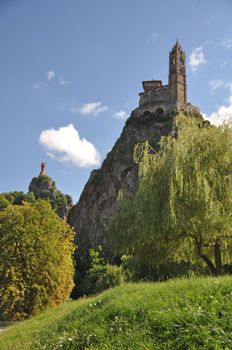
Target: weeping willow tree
182,210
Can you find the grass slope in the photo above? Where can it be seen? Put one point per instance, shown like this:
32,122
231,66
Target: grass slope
178,314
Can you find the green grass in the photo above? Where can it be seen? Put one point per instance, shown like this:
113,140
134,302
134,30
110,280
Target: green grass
178,314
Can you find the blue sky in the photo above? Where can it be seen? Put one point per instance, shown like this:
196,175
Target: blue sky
71,71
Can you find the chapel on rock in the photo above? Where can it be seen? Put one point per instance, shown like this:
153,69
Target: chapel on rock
153,119
172,96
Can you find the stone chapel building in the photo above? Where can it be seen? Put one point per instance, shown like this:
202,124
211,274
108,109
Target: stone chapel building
172,96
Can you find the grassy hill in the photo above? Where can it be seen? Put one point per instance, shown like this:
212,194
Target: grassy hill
178,314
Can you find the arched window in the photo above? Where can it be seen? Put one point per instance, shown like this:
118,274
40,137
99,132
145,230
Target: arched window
146,113
159,110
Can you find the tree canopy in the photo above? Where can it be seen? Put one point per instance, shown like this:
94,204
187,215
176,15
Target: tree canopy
183,208
36,265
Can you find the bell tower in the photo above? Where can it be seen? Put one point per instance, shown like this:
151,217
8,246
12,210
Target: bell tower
177,76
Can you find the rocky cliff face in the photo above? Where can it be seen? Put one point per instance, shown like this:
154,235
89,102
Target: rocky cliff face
44,187
98,200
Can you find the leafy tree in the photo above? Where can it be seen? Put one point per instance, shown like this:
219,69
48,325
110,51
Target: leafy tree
100,275
183,208
36,266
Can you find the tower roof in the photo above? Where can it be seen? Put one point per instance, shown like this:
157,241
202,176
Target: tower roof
176,46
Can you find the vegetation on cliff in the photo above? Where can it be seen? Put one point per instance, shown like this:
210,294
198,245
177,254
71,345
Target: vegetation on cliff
183,208
44,187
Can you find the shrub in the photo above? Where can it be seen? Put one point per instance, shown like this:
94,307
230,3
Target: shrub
100,275
135,270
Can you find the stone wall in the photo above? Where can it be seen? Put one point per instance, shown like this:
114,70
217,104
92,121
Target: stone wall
155,97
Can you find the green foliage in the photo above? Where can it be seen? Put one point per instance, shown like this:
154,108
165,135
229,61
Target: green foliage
100,275
183,208
36,267
69,200
135,270
15,197
131,266
44,178
4,202
178,315
60,200
57,199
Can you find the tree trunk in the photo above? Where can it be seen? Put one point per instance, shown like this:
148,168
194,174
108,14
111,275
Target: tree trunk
204,257
209,263
218,257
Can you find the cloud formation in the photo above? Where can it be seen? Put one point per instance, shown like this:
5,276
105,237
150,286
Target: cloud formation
196,58
224,112
50,75
121,115
65,145
91,108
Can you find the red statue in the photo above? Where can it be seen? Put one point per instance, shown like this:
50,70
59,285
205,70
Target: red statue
43,166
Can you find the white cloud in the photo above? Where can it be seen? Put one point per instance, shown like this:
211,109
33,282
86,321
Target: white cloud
196,58
50,75
91,108
63,82
224,112
227,43
121,115
66,145
215,84
152,37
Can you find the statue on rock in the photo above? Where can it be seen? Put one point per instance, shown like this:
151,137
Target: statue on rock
45,188
43,166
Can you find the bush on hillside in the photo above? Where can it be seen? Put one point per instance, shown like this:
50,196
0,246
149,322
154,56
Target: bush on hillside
100,275
36,266
135,270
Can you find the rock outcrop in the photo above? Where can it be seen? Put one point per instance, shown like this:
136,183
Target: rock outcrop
98,200
44,187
